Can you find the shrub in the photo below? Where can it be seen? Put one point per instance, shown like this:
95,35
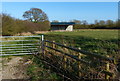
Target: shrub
12,26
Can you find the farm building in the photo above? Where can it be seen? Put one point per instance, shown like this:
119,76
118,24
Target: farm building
68,26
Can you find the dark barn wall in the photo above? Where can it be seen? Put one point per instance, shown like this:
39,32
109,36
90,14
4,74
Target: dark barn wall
59,27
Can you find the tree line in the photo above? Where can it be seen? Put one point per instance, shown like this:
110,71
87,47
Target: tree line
101,24
36,20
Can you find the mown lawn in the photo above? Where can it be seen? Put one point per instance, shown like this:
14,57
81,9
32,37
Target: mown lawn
93,33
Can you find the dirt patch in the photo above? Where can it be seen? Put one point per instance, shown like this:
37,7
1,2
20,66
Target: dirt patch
14,68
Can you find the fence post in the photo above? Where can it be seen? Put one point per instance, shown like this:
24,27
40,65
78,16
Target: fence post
107,69
54,46
65,59
45,50
42,37
117,76
42,46
79,66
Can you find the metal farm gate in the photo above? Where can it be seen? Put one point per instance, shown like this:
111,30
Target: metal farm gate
20,45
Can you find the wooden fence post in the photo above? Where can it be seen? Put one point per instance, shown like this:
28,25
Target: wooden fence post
54,46
117,76
65,58
45,50
79,66
107,69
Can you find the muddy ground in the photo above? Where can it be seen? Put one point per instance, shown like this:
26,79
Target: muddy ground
14,67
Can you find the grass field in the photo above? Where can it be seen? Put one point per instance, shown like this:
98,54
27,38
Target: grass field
93,33
103,42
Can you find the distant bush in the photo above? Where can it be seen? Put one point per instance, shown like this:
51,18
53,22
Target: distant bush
9,27
101,24
93,26
12,26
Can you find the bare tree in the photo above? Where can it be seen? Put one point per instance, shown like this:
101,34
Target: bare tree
35,15
102,22
76,21
109,23
55,21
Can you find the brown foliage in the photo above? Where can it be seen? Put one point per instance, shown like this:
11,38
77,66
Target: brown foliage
11,26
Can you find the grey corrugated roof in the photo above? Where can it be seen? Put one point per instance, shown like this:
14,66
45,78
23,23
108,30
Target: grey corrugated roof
62,23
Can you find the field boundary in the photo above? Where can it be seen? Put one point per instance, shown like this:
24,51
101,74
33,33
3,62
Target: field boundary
105,60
